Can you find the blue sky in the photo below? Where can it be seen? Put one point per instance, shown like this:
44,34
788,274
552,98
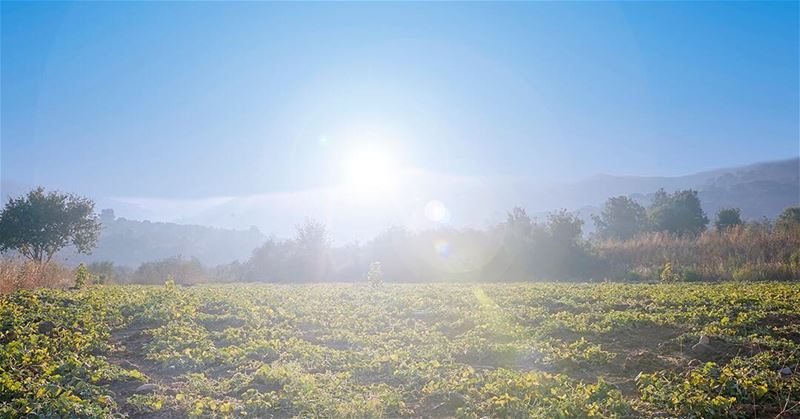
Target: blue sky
197,100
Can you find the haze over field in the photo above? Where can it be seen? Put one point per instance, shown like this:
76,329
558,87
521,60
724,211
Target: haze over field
363,115
376,115
399,209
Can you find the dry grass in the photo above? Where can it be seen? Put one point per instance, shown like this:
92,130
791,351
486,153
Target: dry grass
712,255
18,274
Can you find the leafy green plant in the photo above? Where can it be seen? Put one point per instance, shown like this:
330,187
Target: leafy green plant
82,276
444,350
668,274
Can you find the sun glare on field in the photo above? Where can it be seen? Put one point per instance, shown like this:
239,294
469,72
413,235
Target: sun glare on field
371,171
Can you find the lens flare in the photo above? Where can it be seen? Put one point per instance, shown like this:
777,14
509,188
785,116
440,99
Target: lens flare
442,248
436,211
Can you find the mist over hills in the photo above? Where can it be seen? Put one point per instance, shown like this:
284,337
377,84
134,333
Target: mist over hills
219,230
130,243
759,190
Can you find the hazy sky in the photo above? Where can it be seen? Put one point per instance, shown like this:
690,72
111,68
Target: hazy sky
194,100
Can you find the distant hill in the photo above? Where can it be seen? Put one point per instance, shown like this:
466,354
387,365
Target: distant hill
129,243
759,190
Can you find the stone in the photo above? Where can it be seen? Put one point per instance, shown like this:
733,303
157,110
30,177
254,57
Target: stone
702,344
146,388
46,327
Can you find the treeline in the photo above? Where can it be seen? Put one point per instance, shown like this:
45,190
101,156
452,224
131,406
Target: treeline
131,242
670,241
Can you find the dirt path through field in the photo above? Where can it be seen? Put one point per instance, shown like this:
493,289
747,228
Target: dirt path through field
130,354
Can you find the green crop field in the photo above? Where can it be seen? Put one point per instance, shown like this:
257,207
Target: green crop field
496,350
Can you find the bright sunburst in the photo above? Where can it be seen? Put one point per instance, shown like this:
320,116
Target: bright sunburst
371,171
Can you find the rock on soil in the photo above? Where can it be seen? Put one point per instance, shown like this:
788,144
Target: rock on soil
702,343
146,388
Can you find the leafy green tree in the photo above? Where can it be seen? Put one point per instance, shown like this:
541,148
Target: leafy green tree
565,227
679,212
40,224
788,218
622,218
727,218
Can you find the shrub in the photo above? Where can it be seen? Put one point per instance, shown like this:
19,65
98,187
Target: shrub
103,272
375,275
764,272
794,262
17,274
728,217
183,271
691,275
667,274
82,276
712,255
788,219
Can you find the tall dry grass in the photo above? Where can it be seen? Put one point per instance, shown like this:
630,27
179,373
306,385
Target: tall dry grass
18,274
755,248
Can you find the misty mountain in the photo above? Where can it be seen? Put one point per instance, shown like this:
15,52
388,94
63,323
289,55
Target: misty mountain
759,190
219,230
129,243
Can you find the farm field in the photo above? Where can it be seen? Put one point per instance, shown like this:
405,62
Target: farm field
349,350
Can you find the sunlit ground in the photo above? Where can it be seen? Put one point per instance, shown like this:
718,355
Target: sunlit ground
474,350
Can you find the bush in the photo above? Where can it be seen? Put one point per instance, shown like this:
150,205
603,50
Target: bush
764,272
104,272
794,262
668,274
16,274
691,275
712,255
375,275
183,271
82,276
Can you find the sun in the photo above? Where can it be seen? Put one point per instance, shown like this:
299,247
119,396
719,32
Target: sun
371,171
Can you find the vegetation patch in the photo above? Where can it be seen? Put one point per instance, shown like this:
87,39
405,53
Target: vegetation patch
496,350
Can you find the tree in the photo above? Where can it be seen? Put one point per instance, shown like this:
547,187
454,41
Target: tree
565,227
621,218
678,213
560,252
270,262
518,228
788,218
107,216
40,224
311,261
727,218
